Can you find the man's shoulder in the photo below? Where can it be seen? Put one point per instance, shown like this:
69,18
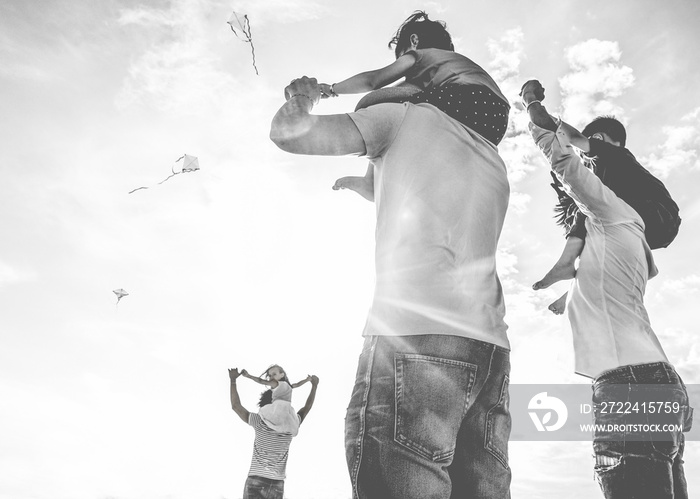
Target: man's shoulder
382,107
255,420
378,125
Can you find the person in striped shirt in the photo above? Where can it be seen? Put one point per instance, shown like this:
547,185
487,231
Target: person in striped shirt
270,448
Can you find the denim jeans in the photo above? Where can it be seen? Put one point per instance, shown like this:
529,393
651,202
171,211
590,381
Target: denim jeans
429,419
257,487
637,462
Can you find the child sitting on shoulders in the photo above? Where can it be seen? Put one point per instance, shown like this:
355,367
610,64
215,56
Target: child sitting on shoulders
451,82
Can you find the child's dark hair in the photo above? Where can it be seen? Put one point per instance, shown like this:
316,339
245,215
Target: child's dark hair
431,34
265,398
607,124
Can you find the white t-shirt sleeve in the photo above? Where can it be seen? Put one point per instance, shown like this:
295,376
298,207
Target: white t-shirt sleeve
378,126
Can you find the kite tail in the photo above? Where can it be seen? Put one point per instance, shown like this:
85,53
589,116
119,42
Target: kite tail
249,34
172,168
169,177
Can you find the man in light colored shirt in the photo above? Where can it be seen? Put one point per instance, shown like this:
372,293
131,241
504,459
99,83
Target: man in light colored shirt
428,417
270,448
614,343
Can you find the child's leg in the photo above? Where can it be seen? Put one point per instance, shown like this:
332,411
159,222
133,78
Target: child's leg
557,307
364,186
565,267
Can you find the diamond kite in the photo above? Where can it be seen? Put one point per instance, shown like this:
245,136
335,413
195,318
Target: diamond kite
120,294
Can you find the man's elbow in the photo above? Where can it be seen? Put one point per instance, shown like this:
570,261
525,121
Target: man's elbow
282,140
289,135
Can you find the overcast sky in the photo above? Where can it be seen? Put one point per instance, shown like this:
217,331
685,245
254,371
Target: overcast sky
253,259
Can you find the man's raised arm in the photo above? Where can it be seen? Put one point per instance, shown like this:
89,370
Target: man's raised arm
310,400
242,412
297,131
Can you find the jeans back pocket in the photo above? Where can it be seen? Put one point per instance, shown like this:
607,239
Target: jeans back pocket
432,398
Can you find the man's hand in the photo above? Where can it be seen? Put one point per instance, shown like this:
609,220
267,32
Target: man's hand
233,374
294,129
532,90
304,86
314,380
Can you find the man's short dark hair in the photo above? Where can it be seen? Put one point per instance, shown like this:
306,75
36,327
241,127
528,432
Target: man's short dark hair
607,124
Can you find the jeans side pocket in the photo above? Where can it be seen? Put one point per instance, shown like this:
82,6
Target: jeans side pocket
432,397
688,421
498,425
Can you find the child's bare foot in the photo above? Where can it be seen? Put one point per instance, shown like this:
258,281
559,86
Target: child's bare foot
358,184
558,307
559,272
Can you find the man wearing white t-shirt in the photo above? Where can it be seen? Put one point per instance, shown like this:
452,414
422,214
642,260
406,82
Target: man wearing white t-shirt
428,417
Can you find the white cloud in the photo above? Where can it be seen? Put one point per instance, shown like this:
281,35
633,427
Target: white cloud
175,77
22,71
506,262
434,7
506,53
596,77
682,351
22,61
517,149
281,11
180,70
680,150
519,202
148,17
681,287
12,275
543,352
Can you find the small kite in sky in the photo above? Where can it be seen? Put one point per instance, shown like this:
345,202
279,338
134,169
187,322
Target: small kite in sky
120,294
240,22
189,164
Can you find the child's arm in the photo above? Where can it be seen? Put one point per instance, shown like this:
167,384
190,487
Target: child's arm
532,94
267,382
371,80
299,383
576,138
